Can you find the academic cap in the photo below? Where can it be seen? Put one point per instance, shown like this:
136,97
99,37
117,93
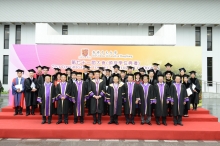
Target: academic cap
142,69
116,66
31,70
192,72
155,64
168,64
102,68
19,70
86,66
182,69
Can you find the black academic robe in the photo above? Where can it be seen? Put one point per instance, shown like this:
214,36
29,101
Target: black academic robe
158,72
79,100
124,80
187,85
85,76
100,101
146,99
172,75
153,81
195,96
161,106
178,105
63,106
42,97
30,97
111,96
135,96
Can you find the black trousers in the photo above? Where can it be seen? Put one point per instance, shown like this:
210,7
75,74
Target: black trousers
80,117
88,101
164,119
152,108
65,117
138,109
28,110
169,109
114,118
95,119
49,118
185,112
18,109
40,109
129,118
70,107
177,119
106,108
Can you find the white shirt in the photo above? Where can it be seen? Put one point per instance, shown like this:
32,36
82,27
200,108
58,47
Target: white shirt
19,80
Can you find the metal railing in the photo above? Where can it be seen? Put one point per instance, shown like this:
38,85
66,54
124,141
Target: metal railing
210,86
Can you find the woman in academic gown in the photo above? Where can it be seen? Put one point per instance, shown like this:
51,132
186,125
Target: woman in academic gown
56,82
97,94
146,94
195,96
64,94
114,98
187,86
131,99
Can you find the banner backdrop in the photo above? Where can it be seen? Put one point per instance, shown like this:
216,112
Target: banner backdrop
75,56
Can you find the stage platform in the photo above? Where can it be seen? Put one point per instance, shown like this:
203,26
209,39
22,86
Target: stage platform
200,125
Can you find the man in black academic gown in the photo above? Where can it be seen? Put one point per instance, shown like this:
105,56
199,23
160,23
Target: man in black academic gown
182,73
72,81
131,99
41,80
97,94
68,73
123,76
81,91
156,70
130,70
56,70
161,93
169,81
64,93
31,86
108,77
39,72
86,72
116,72
142,71
114,98
152,81
194,83
146,94
88,101
168,68
178,94
46,97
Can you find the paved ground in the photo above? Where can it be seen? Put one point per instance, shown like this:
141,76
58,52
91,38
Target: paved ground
76,142
96,142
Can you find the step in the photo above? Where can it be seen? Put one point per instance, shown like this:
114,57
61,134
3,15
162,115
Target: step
35,130
199,110
191,118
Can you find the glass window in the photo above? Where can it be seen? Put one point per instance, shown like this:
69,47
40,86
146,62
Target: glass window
5,69
18,34
65,30
6,37
198,36
209,70
151,30
209,38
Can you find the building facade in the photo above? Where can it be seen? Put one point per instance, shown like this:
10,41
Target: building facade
106,22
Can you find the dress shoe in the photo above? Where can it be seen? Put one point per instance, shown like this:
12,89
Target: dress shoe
33,113
99,122
142,123
74,122
15,114
110,122
58,122
175,124
164,123
27,114
43,122
149,123
94,122
49,122
133,123
20,113
158,123
81,122
127,123
180,124
116,123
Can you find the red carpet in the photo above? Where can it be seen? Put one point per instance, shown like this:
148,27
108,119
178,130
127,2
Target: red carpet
199,126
